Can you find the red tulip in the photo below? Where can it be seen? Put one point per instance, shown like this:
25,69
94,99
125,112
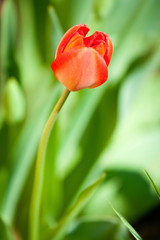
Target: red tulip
80,61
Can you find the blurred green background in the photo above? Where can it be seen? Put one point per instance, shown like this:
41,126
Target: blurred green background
114,128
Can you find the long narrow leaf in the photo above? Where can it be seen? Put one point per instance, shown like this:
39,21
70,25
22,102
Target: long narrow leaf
60,229
24,157
126,223
153,184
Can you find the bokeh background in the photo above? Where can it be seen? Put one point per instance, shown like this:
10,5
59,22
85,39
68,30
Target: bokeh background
114,128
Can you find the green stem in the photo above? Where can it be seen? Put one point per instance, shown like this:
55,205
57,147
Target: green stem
39,169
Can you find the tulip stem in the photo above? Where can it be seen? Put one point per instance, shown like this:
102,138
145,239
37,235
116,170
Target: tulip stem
39,168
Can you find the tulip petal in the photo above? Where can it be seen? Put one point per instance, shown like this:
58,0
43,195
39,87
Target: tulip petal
109,50
79,68
94,40
75,41
102,73
82,29
100,47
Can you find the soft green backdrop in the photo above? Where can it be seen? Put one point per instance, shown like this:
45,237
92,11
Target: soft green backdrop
114,128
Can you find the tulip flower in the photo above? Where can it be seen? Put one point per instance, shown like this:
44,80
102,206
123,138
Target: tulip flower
80,61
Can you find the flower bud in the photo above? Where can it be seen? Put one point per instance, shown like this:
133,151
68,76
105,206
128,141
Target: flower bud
80,61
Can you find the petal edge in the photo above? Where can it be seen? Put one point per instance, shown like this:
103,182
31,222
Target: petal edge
81,28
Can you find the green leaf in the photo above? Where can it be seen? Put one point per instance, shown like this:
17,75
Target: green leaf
127,224
8,31
2,116
27,49
5,231
60,229
55,29
88,228
73,12
3,182
23,157
14,101
77,126
153,184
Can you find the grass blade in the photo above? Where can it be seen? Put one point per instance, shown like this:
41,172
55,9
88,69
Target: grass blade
127,224
153,184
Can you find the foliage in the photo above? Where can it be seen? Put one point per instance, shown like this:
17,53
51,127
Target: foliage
114,128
